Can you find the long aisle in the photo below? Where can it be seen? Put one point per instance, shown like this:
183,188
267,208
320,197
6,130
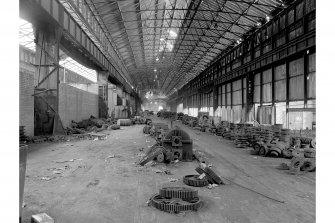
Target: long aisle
97,181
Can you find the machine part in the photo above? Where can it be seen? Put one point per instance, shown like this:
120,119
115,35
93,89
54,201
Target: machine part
157,150
169,155
309,153
175,205
160,158
201,171
257,147
213,175
275,151
177,154
305,146
313,143
194,181
296,164
178,192
146,129
176,141
263,150
308,165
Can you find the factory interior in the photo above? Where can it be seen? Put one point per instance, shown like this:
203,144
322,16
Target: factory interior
170,111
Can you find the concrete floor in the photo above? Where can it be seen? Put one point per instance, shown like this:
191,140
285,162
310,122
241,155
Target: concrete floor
102,189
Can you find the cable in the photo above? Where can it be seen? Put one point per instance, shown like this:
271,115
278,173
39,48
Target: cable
254,191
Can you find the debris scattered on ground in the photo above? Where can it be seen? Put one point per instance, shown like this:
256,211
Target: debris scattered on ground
57,172
71,160
212,186
157,171
173,179
167,172
45,178
113,156
41,218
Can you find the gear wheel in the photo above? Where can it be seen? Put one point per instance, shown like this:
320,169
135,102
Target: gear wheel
194,181
175,204
257,148
275,151
201,171
178,192
151,155
160,158
313,143
309,165
213,175
296,164
263,150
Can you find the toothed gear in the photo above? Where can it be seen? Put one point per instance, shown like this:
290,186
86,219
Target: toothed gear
158,150
213,175
194,181
160,158
178,192
263,150
201,171
175,204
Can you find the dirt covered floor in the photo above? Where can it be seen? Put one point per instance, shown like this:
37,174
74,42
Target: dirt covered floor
98,182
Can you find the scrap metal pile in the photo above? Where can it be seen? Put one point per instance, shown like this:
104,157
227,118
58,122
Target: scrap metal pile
170,115
91,125
140,120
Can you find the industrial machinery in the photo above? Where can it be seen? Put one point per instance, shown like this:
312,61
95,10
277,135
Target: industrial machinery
139,120
158,130
176,144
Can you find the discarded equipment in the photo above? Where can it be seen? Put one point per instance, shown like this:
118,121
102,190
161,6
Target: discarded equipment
178,145
195,180
124,122
176,199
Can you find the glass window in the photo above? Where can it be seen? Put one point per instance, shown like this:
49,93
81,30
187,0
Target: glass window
282,22
299,10
290,17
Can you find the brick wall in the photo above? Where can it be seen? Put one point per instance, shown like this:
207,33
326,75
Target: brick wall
76,104
26,106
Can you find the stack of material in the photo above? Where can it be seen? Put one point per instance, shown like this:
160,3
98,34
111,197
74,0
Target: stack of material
267,135
219,130
277,130
241,141
306,142
227,135
22,134
285,135
253,135
296,142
